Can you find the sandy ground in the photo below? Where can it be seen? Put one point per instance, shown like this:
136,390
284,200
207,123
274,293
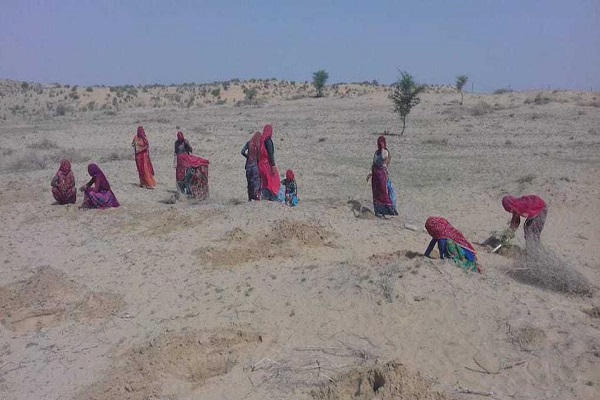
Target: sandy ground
226,299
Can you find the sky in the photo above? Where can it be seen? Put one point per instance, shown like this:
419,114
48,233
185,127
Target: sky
517,44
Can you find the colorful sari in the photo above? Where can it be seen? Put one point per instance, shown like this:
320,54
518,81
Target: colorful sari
63,184
384,196
531,207
192,176
452,244
252,151
142,159
269,176
97,193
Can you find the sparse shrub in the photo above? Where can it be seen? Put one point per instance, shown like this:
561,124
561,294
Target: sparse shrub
461,81
541,99
250,95
221,102
437,142
91,105
61,110
44,144
319,79
405,96
115,102
502,91
74,88
89,89
481,108
216,92
74,95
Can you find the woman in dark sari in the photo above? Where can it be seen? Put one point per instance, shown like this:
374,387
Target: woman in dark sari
191,172
251,151
384,196
97,192
63,184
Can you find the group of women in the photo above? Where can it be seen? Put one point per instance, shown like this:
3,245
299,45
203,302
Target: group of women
452,244
96,193
191,175
262,175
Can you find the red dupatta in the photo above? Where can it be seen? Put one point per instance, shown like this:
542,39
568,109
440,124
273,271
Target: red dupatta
527,206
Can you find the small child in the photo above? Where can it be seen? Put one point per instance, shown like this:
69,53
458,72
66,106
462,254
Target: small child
290,196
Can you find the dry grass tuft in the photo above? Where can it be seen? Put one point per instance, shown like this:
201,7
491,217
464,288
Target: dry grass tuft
544,269
44,144
481,108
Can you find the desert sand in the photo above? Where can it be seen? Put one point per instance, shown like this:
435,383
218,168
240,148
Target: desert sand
226,299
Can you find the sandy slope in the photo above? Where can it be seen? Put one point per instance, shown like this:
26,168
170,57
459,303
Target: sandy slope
227,299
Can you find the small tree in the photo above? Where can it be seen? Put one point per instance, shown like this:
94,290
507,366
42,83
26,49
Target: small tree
250,95
405,96
461,81
319,79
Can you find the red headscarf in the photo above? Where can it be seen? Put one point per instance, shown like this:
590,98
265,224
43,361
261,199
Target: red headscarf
142,134
267,133
289,175
99,178
65,167
381,144
526,206
440,228
180,136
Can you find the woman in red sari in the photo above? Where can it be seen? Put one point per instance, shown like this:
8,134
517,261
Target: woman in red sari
269,175
97,192
142,159
63,184
531,207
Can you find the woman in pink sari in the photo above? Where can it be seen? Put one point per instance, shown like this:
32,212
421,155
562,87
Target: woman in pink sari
269,175
145,169
97,192
531,207
63,184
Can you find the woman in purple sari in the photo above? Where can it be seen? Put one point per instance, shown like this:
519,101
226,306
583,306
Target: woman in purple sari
97,192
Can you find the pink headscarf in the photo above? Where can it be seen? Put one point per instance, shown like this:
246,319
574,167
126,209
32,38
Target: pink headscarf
440,228
180,136
381,144
99,178
142,134
267,133
65,167
289,175
527,206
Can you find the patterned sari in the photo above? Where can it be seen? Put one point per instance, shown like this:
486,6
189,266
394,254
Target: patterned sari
269,175
63,184
252,153
142,159
192,176
451,243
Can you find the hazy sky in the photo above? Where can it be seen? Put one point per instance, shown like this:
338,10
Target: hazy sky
522,43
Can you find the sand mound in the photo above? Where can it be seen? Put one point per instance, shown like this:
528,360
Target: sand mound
386,382
172,363
47,298
544,269
282,240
